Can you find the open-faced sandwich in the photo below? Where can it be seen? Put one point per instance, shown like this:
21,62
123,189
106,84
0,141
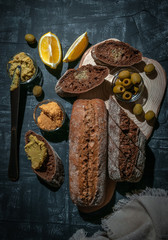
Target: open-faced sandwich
115,53
45,161
83,79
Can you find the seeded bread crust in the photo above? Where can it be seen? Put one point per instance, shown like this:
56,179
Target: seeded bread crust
115,53
83,79
52,170
126,146
88,152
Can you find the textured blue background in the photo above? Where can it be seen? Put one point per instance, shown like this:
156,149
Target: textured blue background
28,209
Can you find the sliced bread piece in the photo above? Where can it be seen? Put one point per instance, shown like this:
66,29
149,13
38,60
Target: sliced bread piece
115,53
83,79
52,169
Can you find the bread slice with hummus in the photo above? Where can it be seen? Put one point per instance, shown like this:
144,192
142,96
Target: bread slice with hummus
45,161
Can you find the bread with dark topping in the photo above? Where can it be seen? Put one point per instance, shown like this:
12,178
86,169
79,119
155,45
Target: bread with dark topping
83,79
115,53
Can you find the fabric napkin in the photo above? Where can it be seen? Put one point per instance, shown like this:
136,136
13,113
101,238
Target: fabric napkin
141,216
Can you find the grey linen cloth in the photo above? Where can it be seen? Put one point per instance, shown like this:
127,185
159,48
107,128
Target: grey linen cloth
142,216
81,235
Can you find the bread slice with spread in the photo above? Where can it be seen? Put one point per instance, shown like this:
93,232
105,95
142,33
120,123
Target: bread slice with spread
45,162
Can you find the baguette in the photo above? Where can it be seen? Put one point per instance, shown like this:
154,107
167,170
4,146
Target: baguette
85,78
126,146
88,152
52,170
115,53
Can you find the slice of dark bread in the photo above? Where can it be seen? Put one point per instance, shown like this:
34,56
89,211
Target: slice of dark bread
52,170
115,53
83,79
126,146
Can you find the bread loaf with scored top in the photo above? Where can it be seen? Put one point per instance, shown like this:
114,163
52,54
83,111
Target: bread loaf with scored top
88,152
126,146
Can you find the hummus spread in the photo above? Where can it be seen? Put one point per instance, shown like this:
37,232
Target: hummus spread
51,116
15,80
36,152
26,63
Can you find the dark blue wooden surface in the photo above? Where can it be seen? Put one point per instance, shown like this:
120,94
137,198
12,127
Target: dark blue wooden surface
28,209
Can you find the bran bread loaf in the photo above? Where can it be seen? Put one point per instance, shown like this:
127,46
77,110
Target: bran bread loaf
88,152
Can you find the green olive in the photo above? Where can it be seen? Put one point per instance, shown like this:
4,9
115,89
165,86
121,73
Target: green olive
136,78
136,89
137,110
118,82
127,83
124,74
127,95
37,91
30,38
118,89
149,68
149,115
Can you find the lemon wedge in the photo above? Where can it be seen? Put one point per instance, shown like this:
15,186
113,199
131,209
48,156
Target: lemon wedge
49,48
77,48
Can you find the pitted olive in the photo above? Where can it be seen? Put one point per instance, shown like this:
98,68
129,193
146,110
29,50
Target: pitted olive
118,89
127,95
127,83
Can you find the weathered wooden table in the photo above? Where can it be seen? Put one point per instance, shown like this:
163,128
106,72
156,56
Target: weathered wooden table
29,209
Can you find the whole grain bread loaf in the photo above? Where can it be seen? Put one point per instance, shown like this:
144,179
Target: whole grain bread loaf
126,146
83,79
115,53
52,170
88,152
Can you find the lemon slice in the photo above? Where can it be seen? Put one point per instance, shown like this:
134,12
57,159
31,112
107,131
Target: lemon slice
49,48
77,48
